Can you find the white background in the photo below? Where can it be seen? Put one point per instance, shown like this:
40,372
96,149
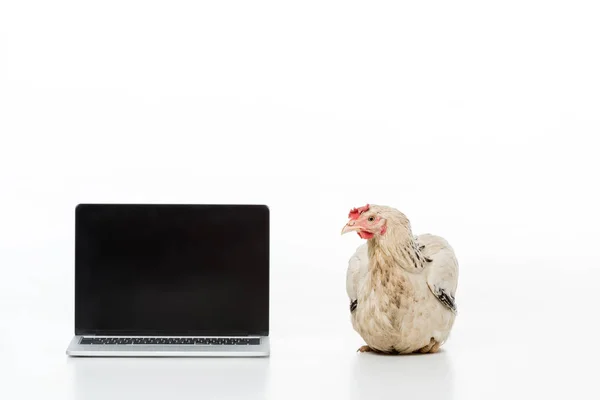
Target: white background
477,119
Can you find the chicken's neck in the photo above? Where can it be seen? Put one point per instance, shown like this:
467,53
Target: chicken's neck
396,247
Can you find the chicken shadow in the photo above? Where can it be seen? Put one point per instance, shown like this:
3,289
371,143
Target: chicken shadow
424,376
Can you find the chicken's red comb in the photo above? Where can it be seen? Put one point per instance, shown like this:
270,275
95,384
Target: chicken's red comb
355,212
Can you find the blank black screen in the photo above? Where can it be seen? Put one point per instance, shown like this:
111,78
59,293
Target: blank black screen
172,269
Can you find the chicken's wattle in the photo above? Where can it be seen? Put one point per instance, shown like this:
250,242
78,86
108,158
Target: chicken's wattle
365,235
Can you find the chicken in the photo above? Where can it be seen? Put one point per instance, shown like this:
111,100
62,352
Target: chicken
401,287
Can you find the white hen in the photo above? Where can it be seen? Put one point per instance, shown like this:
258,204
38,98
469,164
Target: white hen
401,287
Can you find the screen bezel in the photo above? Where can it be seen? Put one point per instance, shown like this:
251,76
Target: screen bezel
124,332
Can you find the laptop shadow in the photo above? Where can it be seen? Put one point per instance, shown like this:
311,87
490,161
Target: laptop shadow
163,378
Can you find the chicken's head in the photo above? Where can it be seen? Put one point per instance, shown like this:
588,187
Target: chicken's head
365,221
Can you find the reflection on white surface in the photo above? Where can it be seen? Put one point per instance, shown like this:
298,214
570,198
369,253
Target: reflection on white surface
164,378
424,376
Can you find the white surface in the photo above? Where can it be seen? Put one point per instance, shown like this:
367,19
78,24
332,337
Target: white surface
478,120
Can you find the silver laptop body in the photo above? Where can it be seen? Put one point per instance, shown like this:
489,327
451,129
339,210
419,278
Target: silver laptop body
171,281
169,350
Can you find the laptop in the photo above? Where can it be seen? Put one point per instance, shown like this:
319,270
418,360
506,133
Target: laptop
171,280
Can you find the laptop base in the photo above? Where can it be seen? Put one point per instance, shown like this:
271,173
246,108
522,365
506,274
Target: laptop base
76,349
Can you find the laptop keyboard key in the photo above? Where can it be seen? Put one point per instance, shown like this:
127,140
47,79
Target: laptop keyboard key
172,341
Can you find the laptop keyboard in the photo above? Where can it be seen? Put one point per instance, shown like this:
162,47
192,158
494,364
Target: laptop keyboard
172,341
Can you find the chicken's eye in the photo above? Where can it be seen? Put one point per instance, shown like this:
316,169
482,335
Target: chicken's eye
371,219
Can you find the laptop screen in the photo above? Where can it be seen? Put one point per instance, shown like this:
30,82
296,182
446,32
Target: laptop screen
172,270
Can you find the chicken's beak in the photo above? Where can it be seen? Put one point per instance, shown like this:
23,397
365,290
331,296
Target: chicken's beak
350,227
